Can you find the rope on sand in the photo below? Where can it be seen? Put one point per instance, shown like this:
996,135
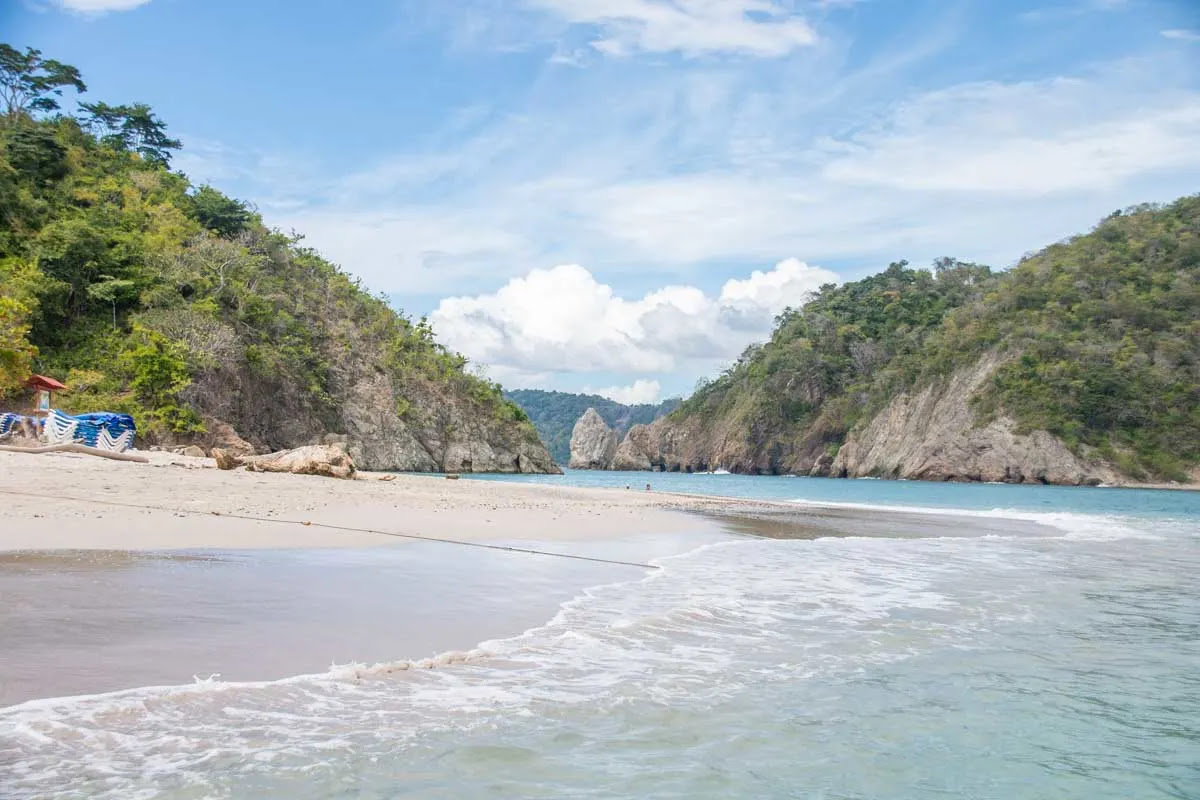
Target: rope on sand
340,528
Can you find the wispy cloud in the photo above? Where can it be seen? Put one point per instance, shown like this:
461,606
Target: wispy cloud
99,6
762,28
1074,9
711,167
1181,34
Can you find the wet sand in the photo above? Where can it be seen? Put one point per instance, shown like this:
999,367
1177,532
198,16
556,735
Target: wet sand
811,522
92,621
117,575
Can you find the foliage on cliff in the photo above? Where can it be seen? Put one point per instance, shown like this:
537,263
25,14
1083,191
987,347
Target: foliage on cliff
554,414
146,293
1099,336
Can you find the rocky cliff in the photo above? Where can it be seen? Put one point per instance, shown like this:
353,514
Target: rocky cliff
554,415
593,443
388,420
178,305
1081,365
932,434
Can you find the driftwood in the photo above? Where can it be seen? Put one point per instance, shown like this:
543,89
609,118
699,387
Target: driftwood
320,459
76,448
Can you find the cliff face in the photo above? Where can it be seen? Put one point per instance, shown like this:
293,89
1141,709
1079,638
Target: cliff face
554,415
1081,364
414,423
932,434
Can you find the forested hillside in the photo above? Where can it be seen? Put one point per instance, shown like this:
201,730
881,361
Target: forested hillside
554,414
1094,341
175,303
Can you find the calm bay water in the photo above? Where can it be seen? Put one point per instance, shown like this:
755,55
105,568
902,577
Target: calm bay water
1054,666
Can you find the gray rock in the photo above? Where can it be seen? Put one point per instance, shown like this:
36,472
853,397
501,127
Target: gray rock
593,443
635,451
932,435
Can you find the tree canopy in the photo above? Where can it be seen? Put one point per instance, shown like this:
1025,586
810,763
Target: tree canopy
151,296
30,83
1098,338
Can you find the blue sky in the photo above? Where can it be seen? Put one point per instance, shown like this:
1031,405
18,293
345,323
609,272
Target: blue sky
620,194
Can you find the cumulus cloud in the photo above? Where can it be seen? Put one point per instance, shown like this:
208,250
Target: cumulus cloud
762,28
562,320
640,391
100,6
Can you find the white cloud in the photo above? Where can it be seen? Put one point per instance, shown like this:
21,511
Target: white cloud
562,320
640,391
1181,34
763,28
100,6
1027,138
706,168
1076,9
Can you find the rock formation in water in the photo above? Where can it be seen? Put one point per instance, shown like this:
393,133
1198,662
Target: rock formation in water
593,443
635,450
554,414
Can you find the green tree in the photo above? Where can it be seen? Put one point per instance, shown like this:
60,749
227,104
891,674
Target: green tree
112,291
16,353
219,213
159,372
130,127
30,83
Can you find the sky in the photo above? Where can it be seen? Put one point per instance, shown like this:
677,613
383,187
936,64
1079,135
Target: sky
620,195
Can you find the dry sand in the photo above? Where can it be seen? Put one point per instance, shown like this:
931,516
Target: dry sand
68,512
59,501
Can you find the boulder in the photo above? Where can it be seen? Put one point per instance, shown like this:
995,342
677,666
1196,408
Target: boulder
221,434
193,451
593,443
226,459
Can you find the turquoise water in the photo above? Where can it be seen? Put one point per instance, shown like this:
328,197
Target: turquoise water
922,494
1052,666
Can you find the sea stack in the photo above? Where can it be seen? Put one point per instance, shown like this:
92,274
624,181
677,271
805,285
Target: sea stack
593,443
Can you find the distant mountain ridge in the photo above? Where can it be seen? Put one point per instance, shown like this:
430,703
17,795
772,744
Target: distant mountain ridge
554,415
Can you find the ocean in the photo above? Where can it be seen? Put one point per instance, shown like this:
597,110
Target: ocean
1060,665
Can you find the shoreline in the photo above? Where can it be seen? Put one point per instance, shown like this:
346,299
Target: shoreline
76,502
163,571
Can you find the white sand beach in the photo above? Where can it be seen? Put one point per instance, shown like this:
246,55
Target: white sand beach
78,502
58,501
